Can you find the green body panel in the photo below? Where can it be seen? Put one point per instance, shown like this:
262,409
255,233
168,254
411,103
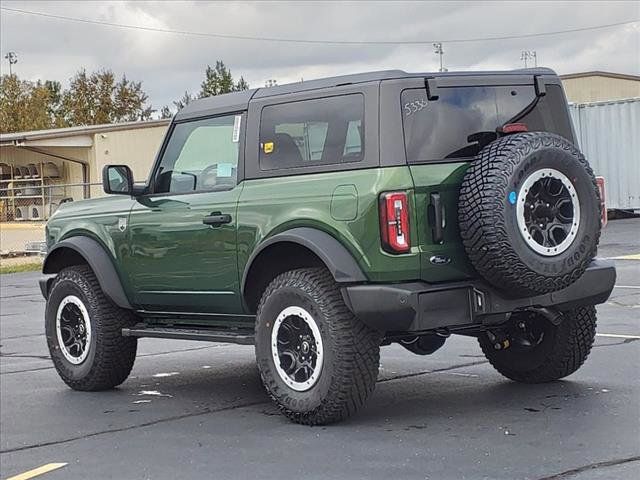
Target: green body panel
170,261
176,262
444,179
274,205
98,219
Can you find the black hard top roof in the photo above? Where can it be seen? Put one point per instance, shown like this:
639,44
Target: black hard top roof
239,101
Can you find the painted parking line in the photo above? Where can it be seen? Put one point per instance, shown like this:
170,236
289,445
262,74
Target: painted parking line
617,335
49,467
634,256
633,287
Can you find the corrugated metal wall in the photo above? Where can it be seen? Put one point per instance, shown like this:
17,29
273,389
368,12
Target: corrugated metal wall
609,136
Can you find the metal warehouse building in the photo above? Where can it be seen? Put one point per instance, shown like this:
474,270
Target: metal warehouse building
600,86
41,169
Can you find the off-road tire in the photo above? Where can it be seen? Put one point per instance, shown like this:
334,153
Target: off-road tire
563,350
111,356
351,349
487,214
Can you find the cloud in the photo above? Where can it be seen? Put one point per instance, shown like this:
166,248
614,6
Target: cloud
169,64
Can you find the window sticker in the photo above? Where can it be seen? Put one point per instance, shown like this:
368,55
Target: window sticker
236,129
225,169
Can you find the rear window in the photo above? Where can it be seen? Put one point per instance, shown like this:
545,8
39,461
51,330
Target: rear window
464,119
321,131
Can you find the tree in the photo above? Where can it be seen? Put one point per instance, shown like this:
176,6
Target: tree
98,98
55,103
90,99
218,80
184,101
23,105
165,112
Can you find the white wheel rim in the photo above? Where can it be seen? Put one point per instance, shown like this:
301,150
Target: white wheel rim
306,371
533,233
73,329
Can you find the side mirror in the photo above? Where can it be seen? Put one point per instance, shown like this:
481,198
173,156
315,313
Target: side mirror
117,179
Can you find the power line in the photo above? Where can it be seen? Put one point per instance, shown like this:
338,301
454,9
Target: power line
303,41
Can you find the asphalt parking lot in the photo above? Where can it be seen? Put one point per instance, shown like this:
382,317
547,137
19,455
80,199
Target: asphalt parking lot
198,410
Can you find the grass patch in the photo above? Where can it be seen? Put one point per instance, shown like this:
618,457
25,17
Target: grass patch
20,267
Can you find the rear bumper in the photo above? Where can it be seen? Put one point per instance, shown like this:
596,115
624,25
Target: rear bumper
420,306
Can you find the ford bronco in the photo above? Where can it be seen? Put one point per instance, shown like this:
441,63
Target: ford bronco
321,220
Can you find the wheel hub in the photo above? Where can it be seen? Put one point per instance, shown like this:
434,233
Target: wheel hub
297,350
73,329
548,212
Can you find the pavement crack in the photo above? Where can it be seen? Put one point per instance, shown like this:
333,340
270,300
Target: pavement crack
22,336
438,370
7,297
133,427
591,466
18,355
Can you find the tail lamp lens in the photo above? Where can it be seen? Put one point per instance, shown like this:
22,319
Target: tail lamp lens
394,222
603,200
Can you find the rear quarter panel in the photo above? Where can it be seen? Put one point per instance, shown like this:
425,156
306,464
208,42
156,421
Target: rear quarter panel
273,205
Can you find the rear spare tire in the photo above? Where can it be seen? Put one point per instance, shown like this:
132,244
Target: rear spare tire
529,213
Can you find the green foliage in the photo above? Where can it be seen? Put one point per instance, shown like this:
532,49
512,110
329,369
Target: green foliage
218,80
165,112
97,98
24,105
91,99
184,101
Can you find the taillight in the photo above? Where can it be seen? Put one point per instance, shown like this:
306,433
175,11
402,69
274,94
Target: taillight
394,222
603,202
514,128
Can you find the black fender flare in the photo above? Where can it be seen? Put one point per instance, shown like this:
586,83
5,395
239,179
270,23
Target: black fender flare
334,255
97,258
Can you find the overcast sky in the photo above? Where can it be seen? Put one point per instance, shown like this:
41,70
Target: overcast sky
169,64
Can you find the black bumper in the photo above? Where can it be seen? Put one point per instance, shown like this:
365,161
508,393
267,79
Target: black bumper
420,306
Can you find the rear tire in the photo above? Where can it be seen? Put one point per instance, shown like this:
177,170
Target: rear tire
84,332
561,351
314,381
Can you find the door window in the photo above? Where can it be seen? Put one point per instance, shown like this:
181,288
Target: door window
321,131
202,155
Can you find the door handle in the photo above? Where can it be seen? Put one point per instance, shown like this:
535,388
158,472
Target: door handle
216,219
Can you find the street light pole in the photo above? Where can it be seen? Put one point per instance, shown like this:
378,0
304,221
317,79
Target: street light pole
13,59
528,55
439,51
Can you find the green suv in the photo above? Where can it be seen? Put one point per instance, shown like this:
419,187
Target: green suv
322,220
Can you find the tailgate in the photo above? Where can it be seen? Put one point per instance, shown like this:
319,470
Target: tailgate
443,131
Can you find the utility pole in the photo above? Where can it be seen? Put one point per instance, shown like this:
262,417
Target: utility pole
529,55
13,59
439,51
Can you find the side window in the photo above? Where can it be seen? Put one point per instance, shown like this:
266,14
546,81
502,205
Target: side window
202,155
322,131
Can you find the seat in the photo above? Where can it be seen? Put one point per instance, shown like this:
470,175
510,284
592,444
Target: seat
285,152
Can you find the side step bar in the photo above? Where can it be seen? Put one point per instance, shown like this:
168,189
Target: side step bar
242,337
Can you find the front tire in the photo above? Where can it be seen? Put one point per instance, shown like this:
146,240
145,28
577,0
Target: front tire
84,332
317,361
538,351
